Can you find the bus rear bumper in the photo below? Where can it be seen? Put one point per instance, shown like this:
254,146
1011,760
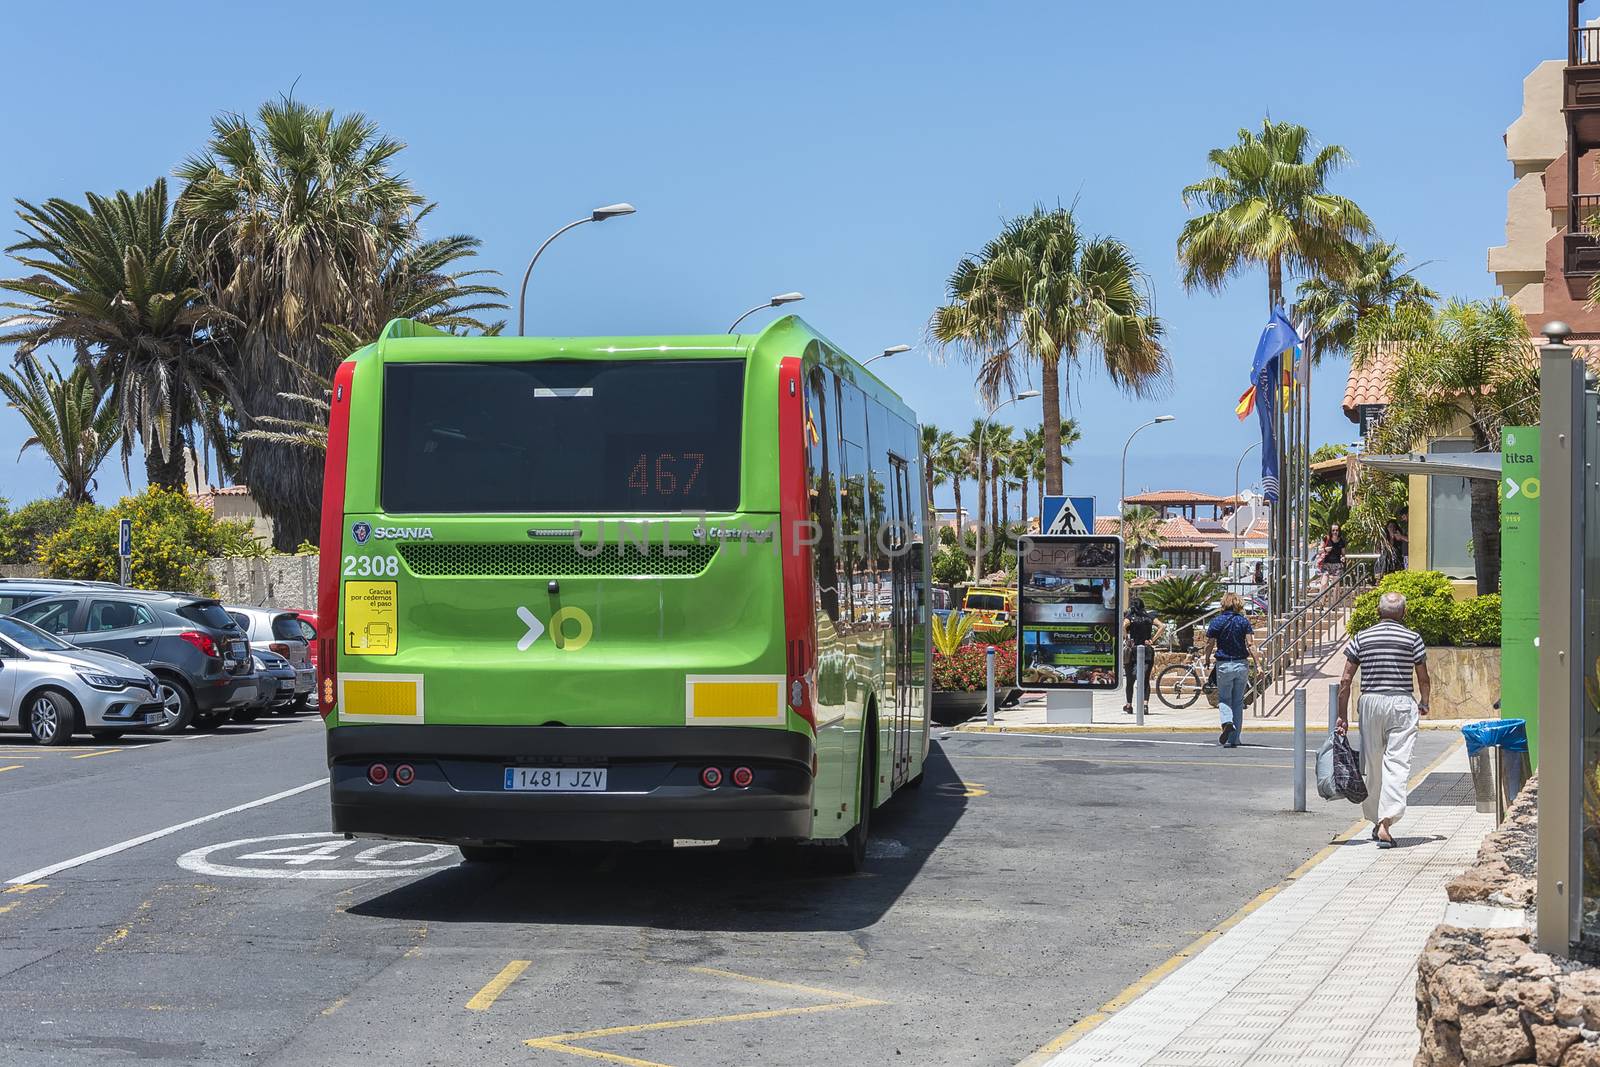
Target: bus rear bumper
653,787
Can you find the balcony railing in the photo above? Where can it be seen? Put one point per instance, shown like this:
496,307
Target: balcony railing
1585,45
1585,217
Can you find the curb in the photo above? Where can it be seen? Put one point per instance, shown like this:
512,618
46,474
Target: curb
1147,728
1069,1037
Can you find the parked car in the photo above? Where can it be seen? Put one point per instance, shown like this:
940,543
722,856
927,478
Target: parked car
275,686
280,632
52,689
15,592
308,627
199,655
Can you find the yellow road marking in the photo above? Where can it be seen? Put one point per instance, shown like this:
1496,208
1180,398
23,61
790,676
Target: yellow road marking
13,767
335,1006
562,1042
26,887
1144,984
102,752
484,999
117,937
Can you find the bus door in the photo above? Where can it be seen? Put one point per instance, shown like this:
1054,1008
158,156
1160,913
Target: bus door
903,616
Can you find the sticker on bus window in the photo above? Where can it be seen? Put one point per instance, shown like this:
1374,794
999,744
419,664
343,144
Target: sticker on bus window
371,619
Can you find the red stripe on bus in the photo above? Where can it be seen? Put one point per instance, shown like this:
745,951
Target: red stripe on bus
799,620
331,542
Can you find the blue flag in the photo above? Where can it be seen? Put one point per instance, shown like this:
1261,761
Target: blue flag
1266,374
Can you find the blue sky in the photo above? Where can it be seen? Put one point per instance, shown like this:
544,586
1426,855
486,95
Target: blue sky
852,151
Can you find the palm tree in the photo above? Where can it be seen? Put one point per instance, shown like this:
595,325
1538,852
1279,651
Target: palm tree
71,421
957,460
997,444
936,445
110,280
1267,204
1141,534
1466,364
973,451
1044,293
305,236
1332,307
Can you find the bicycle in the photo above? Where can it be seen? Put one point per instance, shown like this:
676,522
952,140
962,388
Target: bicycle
1179,685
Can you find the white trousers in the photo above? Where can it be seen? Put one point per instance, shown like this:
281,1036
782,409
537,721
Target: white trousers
1388,734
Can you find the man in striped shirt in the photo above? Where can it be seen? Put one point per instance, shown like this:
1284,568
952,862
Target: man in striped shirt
1387,655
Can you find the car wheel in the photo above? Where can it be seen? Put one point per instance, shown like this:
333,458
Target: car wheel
106,735
50,718
177,707
204,724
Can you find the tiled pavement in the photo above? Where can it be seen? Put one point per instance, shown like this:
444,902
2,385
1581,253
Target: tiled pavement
1324,972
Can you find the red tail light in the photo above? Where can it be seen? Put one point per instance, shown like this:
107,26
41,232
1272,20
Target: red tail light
280,648
201,641
799,622
331,538
743,776
404,774
710,777
377,774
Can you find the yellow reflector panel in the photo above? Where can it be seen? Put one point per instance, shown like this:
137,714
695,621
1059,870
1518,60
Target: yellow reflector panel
734,698
383,698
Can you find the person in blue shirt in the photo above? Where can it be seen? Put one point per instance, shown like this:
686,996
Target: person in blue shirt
1230,632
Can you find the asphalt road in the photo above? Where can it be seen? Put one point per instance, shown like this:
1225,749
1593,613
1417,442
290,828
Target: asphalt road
1026,883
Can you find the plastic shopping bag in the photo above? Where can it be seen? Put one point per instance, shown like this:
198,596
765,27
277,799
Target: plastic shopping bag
1339,771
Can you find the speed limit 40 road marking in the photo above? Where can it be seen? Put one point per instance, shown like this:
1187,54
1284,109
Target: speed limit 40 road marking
316,856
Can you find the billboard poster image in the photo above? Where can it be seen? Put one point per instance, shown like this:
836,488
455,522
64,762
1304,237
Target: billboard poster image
1069,633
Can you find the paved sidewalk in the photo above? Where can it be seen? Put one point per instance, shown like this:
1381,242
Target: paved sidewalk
1321,972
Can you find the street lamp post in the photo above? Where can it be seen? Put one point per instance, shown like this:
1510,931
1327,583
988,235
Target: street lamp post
892,350
777,301
983,435
599,214
1122,520
1234,558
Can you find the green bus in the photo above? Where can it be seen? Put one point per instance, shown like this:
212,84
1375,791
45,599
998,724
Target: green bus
625,589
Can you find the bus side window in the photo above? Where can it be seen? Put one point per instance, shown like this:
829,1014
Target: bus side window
854,538
822,481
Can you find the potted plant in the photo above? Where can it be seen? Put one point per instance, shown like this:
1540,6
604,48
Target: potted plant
1179,600
960,670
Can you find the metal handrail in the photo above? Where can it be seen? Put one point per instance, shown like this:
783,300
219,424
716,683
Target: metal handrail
1312,625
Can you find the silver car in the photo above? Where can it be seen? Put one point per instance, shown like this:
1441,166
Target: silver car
52,689
280,632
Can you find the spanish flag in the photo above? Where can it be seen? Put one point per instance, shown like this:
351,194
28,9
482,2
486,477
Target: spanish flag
1246,405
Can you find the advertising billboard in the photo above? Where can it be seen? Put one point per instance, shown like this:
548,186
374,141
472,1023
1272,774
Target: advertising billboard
1068,632
1519,577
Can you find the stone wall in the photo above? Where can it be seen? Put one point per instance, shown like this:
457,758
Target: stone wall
1485,997
1466,683
269,582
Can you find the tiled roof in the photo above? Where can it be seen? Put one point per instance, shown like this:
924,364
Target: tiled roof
1175,496
207,499
1369,385
1179,533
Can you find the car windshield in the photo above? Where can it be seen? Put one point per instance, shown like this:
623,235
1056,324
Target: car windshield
287,628
31,637
209,613
985,602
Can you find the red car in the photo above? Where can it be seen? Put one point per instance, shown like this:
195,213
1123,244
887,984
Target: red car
308,626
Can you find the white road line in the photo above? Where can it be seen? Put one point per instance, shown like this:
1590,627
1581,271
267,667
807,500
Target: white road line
133,842
1087,737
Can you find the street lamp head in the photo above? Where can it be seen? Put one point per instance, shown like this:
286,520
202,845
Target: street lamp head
1027,394
1165,418
895,350
611,211
786,298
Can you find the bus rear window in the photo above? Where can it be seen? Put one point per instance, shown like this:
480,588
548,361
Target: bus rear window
562,436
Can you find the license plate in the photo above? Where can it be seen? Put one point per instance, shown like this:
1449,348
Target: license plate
556,779
236,650
152,718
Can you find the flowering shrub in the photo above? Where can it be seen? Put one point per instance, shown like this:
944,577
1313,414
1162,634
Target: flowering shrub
965,671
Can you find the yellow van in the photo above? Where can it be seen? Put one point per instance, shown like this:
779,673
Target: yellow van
991,607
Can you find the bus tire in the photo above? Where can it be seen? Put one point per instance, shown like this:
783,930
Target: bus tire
487,853
850,855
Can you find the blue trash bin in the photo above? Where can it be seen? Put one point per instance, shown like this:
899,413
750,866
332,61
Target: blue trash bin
1497,753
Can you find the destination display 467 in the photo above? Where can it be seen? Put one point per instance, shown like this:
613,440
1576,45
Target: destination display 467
1071,589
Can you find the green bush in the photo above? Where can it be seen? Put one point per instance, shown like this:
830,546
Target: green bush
950,566
1431,610
1477,621
23,530
172,538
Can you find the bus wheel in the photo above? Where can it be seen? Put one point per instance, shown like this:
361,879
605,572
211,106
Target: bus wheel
850,855
487,853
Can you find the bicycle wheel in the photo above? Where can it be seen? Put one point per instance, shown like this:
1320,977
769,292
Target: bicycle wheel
1178,686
